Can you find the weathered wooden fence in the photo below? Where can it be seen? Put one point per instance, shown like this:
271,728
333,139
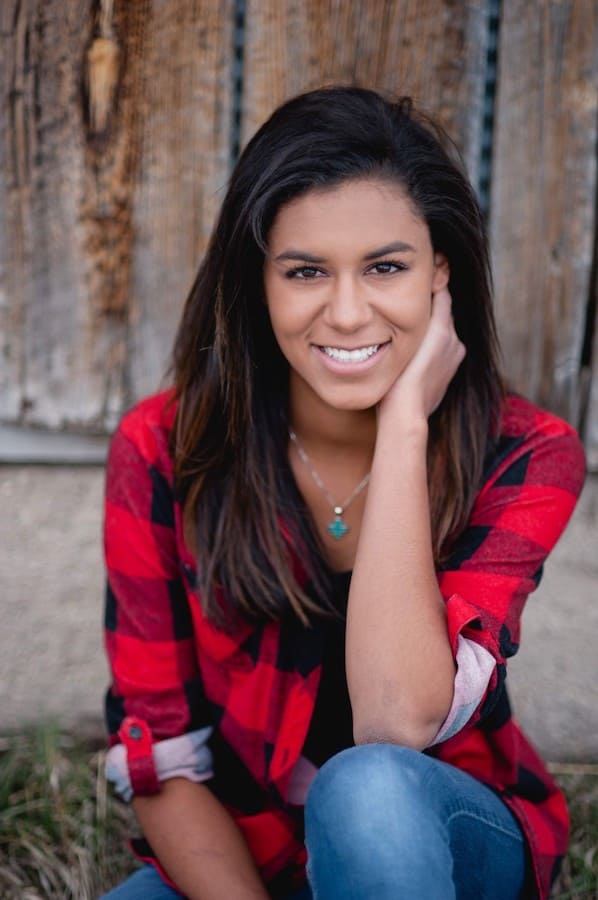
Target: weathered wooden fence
119,122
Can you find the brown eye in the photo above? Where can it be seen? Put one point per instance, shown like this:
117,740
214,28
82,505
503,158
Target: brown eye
388,267
306,272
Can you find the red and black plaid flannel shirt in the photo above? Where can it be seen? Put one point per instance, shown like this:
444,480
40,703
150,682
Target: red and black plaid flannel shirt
173,672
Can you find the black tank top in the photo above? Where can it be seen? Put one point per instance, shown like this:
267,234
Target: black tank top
331,728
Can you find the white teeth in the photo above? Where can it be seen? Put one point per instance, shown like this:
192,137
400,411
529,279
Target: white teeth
358,355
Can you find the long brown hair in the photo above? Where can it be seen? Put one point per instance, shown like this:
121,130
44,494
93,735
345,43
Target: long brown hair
242,509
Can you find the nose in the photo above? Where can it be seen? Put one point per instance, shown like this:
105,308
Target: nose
347,308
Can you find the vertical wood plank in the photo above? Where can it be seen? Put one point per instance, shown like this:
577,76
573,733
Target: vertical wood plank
103,220
67,348
38,69
434,50
590,434
186,137
543,194
13,157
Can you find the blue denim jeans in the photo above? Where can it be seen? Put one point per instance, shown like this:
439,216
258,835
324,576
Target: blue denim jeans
382,822
146,884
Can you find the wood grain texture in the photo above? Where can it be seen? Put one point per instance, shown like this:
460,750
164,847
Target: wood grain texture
543,193
65,227
103,218
13,224
434,50
106,204
186,139
590,431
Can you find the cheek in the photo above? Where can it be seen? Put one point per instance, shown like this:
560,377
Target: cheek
287,315
410,297
412,313
283,321
277,308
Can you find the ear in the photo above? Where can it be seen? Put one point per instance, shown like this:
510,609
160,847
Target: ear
442,272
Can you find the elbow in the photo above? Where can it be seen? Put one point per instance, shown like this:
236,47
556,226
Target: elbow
415,735
409,721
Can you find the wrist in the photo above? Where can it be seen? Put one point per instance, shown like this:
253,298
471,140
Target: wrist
401,449
405,426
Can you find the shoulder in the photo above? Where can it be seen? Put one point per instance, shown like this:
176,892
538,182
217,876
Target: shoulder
522,417
145,430
535,446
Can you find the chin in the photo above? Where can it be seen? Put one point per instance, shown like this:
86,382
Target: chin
353,401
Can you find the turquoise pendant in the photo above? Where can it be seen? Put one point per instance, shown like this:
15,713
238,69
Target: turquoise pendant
337,528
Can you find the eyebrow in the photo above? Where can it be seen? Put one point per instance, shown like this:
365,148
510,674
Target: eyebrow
302,256
395,247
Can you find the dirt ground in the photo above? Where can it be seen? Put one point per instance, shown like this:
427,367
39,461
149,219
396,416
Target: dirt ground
51,594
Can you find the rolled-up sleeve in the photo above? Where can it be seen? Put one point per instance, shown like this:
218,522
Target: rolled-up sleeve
187,756
497,561
157,717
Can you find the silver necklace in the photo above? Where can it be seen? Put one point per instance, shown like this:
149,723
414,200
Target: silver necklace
338,528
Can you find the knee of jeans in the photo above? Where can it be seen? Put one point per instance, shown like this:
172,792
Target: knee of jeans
365,776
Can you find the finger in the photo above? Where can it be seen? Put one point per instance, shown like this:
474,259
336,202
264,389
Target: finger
442,304
443,293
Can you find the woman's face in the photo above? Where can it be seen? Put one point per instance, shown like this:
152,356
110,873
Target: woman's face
349,277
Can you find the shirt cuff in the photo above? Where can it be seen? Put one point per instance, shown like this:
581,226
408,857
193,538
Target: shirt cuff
186,756
475,666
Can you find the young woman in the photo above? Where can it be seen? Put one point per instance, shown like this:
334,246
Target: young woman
320,540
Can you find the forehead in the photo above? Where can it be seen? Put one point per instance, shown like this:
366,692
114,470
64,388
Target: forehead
365,211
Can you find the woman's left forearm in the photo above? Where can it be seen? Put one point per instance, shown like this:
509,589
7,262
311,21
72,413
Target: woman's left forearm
400,667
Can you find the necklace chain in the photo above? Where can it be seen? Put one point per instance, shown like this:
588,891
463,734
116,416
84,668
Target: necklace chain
338,528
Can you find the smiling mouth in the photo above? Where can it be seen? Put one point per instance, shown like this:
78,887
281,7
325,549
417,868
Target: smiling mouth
358,354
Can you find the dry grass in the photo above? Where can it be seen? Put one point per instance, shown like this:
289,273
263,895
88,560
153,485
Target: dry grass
62,836
579,877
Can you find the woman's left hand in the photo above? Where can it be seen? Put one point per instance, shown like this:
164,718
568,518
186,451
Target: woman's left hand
422,384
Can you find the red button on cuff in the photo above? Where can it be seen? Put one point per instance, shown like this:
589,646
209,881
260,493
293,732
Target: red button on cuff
137,739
